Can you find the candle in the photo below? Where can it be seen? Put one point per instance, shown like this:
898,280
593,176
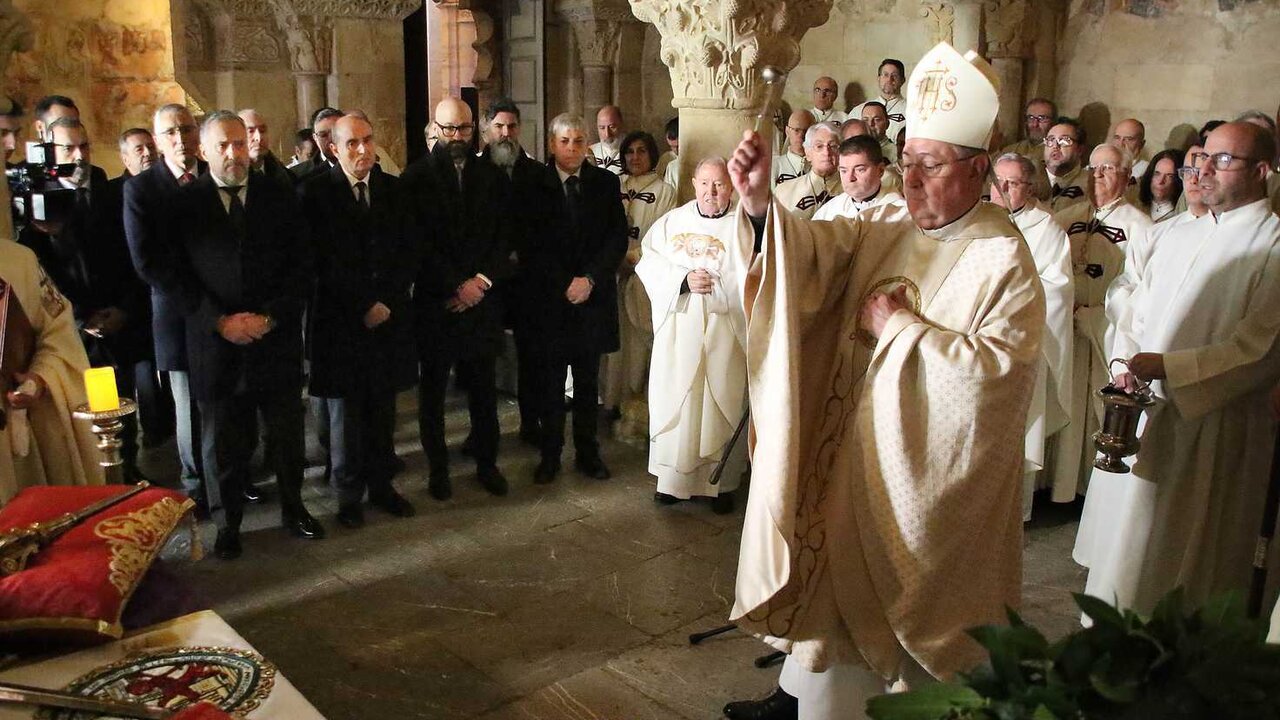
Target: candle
100,386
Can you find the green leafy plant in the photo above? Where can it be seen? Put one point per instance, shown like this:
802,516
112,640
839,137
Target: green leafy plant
1209,663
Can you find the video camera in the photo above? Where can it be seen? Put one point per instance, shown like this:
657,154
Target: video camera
37,194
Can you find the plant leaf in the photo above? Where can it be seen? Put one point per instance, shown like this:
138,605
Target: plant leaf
930,702
1100,611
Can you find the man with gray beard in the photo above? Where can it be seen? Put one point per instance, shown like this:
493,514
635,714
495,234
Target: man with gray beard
529,178
460,317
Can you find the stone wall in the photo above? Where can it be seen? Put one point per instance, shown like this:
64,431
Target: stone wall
1173,64
113,57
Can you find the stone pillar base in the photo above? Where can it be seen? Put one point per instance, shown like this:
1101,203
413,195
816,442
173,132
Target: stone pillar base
310,94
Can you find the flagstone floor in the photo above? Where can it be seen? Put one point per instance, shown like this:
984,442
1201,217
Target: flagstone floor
569,601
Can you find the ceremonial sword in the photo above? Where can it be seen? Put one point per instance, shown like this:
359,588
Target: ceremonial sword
27,695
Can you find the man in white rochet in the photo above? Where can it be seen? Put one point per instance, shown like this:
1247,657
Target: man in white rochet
698,370
861,169
805,194
1013,189
1203,322
890,361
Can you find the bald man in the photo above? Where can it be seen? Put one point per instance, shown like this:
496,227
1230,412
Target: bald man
792,163
607,154
1203,323
460,316
261,158
825,94
1130,135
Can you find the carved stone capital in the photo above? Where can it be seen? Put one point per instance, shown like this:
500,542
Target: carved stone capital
1003,25
597,41
307,40
714,49
940,15
371,9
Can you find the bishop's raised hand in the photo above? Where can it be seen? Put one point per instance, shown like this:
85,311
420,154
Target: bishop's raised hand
749,170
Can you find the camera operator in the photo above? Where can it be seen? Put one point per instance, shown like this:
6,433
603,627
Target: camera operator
86,255
48,109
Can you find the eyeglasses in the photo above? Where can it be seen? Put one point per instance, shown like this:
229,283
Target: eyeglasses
1221,161
451,130
927,169
1051,141
827,147
824,92
796,129
1188,173
1105,168
1039,118
1011,181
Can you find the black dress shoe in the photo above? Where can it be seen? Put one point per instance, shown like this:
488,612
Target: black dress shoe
201,510
439,486
664,499
723,503
252,494
593,467
393,503
300,524
227,546
778,706
492,479
351,516
546,471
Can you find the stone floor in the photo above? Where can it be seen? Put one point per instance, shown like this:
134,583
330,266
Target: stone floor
569,601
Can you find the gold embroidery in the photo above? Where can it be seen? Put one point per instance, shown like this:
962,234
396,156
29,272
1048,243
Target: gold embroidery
887,286
50,297
135,538
937,91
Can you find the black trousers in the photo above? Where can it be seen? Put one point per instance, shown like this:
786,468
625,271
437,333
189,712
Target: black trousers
361,438
527,381
477,376
155,401
228,430
586,394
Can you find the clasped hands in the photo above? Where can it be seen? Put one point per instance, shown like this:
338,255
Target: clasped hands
700,281
468,295
244,328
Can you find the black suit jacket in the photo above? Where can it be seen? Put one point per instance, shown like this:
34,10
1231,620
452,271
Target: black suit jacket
275,170
592,246
88,260
267,270
465,233
361,260
152,223
309,168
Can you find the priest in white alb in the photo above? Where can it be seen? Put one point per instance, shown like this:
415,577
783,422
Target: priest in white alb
1014,189
805,194
1203,327
41,443
645,197
891,360
792,163
861,168
1099,230
698,374
889,79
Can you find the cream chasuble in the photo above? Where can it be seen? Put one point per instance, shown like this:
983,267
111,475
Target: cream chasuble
804,195
1189,513
788,166
1067,191
1052,393
623,373
846,207
885,512
607,159
698,381
1098,241
49,446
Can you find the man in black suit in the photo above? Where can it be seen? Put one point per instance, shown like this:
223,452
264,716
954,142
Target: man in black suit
151,223
261,159
534,190
243,279
322,122
88,259
460,317
137,153
571,271
361,319
50,108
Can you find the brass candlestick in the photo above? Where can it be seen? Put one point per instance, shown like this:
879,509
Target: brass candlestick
107,425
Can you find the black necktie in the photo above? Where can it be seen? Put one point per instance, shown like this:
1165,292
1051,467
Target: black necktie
573,196
362,195
235,211
82,200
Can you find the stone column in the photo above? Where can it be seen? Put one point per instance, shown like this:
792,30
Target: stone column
308,59
1003,28
597,42
714,50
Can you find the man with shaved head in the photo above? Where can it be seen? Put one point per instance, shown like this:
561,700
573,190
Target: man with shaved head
1099,231
825,94
1203,326
261,158
1130,135
607,153
459,314
362,343
792,163
876,118
804,195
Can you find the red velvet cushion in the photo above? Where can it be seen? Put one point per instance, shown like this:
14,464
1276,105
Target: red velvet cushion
77,588
202,711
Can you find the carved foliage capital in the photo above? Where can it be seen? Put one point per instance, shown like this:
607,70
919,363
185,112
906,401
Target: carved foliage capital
941,18
1003,24
715,48
597,40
